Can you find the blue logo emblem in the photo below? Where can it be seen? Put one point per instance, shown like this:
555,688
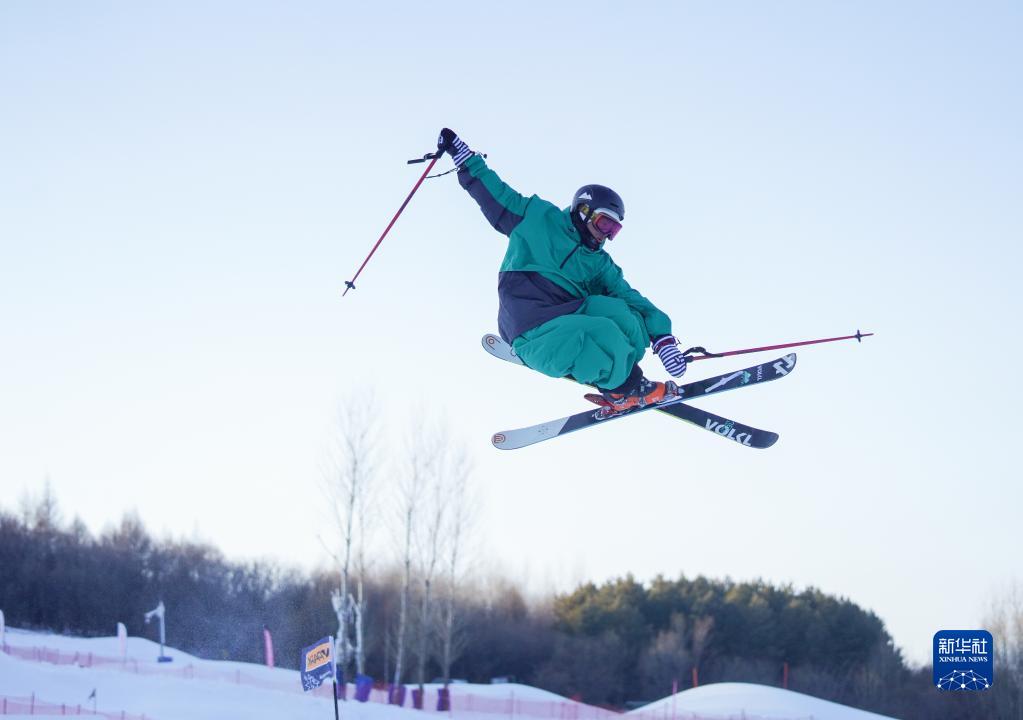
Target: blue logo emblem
964,660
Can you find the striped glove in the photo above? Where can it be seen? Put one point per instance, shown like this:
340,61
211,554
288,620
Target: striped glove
666,347
453,145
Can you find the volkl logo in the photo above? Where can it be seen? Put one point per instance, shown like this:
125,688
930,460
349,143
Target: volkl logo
727,429
783,366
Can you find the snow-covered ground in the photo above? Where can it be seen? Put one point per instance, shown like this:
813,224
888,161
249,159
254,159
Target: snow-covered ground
193,689
739,700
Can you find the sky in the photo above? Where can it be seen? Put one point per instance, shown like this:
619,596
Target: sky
185,187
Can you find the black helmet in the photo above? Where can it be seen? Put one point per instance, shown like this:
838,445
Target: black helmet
590,198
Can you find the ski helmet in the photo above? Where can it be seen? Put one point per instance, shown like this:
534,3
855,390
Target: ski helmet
602,206
590,199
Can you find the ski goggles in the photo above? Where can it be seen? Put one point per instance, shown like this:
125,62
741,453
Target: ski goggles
605,223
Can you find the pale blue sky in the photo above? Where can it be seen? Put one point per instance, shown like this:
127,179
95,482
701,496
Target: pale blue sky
184,188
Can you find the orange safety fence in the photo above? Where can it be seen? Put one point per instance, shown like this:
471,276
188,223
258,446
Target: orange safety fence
512,706
34,706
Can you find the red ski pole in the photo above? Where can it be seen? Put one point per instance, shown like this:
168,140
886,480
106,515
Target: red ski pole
707,355
433,160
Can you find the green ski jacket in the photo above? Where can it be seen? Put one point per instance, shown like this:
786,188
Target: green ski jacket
547,270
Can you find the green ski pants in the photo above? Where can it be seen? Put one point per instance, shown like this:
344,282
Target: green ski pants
599,344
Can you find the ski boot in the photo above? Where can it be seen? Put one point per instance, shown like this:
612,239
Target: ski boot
648,392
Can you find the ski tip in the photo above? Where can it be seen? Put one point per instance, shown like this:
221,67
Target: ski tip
499,440
768,439
784,365
497,347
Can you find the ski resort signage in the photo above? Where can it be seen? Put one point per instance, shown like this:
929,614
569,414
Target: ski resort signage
317,663
964,660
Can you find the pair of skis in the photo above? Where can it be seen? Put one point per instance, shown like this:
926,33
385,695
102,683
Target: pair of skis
729,429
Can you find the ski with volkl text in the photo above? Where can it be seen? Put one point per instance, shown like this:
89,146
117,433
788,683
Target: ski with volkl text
729,429
743,434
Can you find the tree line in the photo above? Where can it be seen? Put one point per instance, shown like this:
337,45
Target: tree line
607,644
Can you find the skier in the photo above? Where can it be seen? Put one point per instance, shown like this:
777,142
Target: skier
565,306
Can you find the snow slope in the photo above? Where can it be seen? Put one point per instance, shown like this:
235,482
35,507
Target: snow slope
738,700
190,688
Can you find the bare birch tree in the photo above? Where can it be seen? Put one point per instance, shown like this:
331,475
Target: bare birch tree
411,486
408,518
349,480
429,548
359,606
457,530
429,552
433,488
1005,622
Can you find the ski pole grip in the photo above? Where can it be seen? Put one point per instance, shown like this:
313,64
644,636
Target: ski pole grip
427,156
704,353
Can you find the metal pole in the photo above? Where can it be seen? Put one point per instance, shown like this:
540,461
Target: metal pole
351,283
707,355
333,675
